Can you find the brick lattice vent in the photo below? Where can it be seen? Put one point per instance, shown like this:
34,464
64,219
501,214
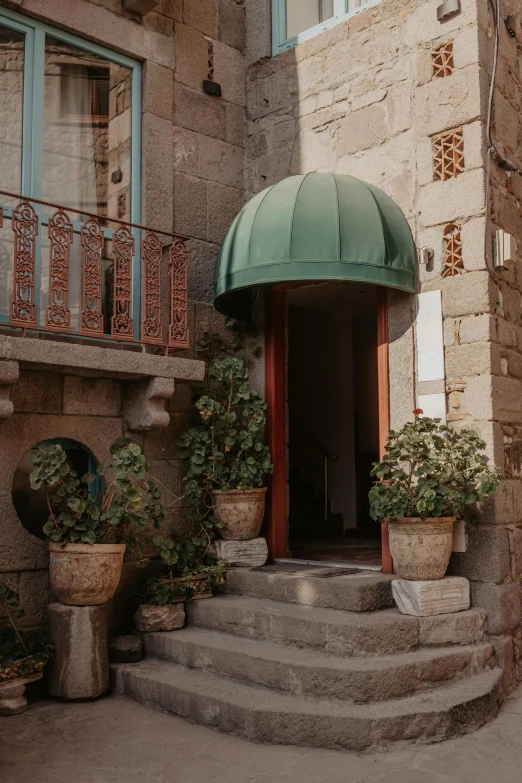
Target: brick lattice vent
210,49
448,154
453,263
442,58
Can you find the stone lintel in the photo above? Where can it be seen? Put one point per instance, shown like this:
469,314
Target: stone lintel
140,7
431,597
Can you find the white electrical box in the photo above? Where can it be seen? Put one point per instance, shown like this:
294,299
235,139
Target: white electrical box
505,250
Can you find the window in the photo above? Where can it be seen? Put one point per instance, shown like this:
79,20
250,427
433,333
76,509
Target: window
294,21
70,135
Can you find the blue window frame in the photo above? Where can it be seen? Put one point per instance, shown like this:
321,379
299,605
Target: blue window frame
294,21
37,39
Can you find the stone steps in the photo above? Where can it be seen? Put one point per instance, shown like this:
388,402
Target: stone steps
334,631
264,715
313,673
365,591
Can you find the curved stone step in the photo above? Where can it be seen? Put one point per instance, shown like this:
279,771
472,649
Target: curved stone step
365,591
263,715
312,673
333,631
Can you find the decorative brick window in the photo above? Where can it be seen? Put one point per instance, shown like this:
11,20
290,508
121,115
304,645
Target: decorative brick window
453,263
210,49
442,58
448,154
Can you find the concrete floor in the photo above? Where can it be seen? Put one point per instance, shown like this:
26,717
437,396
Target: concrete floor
114,740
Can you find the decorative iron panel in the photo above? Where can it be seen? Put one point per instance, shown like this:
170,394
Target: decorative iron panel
122,324
151,254
58,315
25,228
92,239
178,322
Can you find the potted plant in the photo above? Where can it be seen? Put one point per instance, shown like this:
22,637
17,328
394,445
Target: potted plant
188,571
429,476
224,455
88,534
23,654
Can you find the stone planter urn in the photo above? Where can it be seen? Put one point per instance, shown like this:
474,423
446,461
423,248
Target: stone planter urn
241,512
12,699
421,549
85,574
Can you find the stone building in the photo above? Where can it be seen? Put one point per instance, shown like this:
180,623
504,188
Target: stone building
384,92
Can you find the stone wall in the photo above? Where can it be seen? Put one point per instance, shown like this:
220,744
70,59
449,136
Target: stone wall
192,183
89,411
398,99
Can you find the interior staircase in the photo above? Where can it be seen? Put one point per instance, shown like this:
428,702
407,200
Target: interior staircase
317,656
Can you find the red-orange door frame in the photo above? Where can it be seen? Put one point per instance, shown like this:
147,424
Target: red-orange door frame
275,395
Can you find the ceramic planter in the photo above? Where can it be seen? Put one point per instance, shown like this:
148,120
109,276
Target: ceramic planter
85,574
421,549
241,511
12,699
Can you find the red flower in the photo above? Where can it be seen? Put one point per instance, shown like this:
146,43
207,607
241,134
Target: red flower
418,411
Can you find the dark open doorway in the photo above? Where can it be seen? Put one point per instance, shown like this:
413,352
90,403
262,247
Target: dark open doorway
333,422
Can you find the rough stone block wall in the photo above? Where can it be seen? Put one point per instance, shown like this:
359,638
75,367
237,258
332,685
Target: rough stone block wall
89,411
373,98
192,183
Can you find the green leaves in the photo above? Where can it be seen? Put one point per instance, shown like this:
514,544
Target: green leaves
429,470
126,507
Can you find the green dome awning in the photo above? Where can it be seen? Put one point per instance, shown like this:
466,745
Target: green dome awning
314,227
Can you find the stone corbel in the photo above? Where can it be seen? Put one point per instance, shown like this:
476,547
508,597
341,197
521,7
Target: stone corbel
140,7
9,373
144,405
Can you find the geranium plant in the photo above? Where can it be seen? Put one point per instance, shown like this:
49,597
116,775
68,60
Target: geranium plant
130,501
225,449
430,470
22,653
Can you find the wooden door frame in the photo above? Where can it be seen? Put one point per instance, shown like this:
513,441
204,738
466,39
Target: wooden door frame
275,396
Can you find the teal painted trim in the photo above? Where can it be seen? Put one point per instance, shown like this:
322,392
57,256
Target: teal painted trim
280,43
75,40
38,114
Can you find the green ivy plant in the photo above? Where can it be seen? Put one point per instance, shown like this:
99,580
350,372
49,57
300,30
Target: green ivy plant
429,470
22,653
131,500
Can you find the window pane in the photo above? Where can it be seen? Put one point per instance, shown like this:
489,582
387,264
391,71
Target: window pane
87,131
11,108
303,14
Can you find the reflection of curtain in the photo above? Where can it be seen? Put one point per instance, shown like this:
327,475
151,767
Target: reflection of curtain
69,148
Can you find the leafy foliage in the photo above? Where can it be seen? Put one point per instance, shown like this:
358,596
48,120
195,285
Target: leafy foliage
130,502
22,653
225,449
429,470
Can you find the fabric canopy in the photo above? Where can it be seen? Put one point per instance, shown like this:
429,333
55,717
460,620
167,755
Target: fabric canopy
310,227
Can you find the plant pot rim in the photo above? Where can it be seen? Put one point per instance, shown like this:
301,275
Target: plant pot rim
255,491
420,521
88,549
21,680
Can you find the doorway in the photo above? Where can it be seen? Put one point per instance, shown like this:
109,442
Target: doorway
333,426
328,418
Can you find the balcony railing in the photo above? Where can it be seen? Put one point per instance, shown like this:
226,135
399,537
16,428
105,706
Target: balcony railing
70,272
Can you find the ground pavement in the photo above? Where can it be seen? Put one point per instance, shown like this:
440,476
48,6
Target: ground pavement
114,740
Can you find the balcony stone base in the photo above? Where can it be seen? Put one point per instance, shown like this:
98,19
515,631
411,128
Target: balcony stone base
149,379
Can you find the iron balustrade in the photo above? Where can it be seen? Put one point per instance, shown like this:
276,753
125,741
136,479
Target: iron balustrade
143,260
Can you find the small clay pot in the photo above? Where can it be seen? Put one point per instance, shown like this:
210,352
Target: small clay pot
85,574
420,548
241,512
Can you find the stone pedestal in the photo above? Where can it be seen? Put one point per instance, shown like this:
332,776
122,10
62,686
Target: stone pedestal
424,599
242,553
80,665
169,617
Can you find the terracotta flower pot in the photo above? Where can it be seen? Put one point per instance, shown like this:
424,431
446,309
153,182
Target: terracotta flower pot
241,511
421,549
85,574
